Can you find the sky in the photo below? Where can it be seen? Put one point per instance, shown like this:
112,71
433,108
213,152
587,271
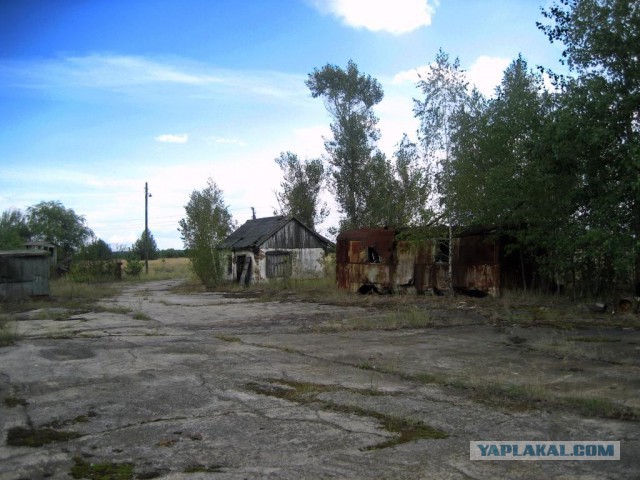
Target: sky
99,97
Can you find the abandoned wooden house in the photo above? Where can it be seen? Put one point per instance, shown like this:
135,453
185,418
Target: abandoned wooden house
387,260
274,248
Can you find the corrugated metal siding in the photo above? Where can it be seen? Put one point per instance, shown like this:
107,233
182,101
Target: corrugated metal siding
376,259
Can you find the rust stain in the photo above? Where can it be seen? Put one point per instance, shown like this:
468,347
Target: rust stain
375,259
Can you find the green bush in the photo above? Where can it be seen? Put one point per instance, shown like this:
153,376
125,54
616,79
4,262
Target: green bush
133,268
94,271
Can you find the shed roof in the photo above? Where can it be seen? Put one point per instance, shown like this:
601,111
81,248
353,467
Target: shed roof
255,232
23,253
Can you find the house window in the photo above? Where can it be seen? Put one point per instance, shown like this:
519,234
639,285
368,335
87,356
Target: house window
278,264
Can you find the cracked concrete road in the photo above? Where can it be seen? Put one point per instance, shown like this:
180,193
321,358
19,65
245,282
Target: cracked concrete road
178,386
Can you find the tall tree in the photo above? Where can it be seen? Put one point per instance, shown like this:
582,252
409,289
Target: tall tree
499,172
493,175
14,231
444,88
349,97
301,188
601,40
445,91
52,222
207,223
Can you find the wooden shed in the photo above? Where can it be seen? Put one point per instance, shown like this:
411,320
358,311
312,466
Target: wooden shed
24,273
46,246
270,248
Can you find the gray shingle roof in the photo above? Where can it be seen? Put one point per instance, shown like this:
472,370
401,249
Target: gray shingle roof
254,232
257,231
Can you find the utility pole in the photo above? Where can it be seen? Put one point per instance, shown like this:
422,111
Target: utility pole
146,227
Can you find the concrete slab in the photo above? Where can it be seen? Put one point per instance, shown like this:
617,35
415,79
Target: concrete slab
198,387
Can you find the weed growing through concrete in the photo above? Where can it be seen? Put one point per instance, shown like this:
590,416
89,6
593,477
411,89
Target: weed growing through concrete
141,316
101,471
526,397
8,331
594,339
37,437
306,393
12,402
197,468
228,338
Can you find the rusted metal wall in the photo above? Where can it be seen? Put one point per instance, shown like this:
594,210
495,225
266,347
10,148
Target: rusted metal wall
24,273
371,259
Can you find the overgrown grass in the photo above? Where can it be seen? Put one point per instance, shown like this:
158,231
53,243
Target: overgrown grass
37,437
528,397
8,330
141,316
164,269
518,397
101,471
228,338
397,319
523,397
594,339
67,292
13,401
197,468
406,430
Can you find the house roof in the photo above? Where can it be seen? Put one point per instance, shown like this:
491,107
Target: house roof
257,231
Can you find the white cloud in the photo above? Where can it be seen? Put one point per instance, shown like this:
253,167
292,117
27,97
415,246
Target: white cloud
173,138
396,17
412,75
486,73
123,73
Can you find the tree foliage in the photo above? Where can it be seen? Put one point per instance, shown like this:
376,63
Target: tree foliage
207,223
301,188
597,130
96,250
349,97
14,231
52,222
444,88
145,243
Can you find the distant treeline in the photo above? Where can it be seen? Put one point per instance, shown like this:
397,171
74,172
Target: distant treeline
166,253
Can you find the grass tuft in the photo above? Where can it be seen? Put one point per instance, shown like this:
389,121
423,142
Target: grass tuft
228,338
31,437
12,402
101,471
8,331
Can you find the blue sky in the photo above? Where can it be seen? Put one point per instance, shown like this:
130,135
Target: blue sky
98,97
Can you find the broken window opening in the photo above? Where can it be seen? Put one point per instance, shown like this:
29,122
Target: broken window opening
442,252
372,255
